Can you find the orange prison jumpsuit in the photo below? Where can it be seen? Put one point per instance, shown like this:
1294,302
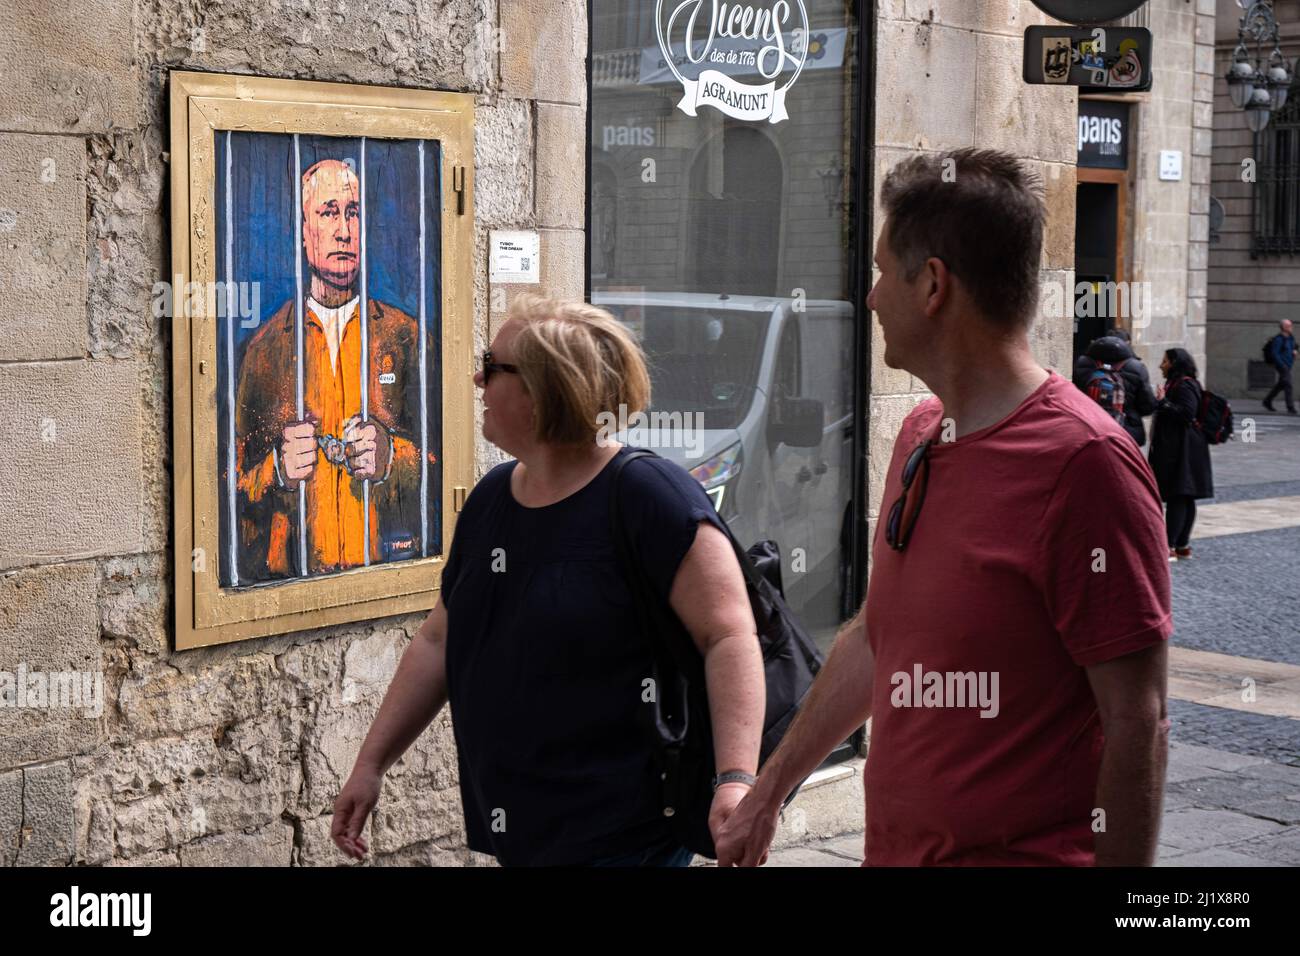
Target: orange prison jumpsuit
266,402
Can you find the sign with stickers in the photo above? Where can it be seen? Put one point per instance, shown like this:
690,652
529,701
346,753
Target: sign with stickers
1097,58
739,59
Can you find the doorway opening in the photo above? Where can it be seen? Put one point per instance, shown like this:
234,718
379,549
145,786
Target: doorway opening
1099,255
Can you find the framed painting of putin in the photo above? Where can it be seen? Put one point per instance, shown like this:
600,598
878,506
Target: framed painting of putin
321,304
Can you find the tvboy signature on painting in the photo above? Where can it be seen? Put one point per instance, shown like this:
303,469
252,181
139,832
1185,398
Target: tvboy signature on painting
329,445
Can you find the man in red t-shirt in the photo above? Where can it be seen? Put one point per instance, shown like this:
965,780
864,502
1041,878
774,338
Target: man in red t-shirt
1011,652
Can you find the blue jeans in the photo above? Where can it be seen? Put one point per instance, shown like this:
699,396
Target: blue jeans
670,853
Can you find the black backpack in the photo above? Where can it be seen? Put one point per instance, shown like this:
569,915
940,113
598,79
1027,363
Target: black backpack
1214,418
1213,414
1268,350
677,718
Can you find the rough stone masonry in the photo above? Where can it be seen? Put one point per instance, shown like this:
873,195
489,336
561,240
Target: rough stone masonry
229,755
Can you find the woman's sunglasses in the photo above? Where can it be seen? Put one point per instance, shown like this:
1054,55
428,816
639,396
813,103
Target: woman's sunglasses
490,366
902,517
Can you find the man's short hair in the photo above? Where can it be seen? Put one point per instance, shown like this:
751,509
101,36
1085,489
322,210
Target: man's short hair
576,361
980,211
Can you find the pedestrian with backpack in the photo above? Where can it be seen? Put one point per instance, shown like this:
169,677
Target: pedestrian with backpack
1180,451
1011,653
1109,371
537,641
1279,352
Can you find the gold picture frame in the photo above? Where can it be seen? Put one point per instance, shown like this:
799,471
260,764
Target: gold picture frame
203,105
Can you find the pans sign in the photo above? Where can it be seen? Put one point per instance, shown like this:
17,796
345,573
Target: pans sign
779,36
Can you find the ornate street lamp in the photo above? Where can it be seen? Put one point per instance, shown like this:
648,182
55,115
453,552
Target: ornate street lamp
1256,84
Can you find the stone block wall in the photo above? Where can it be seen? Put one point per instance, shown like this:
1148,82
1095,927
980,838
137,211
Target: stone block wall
1247,297
1169,234
948,75
231,754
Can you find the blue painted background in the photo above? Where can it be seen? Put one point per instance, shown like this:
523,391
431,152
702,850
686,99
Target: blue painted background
262,212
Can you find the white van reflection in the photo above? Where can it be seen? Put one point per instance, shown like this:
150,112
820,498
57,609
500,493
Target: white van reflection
753,395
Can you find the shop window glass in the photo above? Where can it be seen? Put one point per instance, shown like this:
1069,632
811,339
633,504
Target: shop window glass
722,232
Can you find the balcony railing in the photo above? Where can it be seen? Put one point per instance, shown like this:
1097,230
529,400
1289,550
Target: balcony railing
616,67
1276,190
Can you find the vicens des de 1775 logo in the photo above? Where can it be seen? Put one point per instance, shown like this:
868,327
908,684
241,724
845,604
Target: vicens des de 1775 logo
741,59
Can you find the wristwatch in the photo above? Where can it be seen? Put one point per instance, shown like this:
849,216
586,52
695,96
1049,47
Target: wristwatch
734,776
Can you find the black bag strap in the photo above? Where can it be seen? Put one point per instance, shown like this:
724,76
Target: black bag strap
747,567
675,651
676,657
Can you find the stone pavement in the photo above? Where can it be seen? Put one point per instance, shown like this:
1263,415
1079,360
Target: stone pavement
1221,809
1232,793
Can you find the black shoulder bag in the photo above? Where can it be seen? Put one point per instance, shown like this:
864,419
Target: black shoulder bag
677,716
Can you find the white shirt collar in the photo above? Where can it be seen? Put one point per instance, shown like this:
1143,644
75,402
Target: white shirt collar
333,321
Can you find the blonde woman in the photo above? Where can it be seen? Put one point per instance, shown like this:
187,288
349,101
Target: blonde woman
535,638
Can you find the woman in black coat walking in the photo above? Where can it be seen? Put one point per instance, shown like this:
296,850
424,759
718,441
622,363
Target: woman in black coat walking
1180,455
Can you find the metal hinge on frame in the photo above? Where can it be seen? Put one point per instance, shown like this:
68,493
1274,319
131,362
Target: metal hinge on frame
458,184
458,496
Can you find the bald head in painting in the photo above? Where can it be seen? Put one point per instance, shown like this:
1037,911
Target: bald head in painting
331,230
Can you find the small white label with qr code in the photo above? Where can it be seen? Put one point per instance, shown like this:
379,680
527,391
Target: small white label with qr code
514,256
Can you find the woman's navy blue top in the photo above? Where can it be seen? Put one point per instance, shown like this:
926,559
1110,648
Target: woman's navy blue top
545,662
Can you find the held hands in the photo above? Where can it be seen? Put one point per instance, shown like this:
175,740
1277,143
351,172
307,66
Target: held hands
742,825
1160,392
355,801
